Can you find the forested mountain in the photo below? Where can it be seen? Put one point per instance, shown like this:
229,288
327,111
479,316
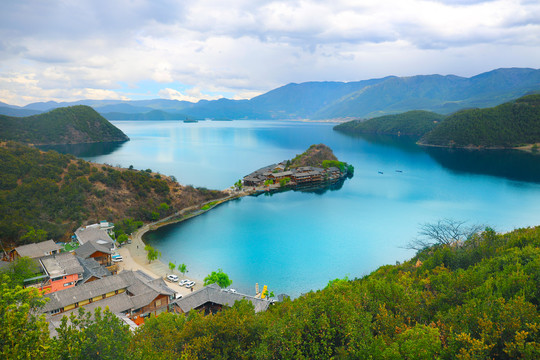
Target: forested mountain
71,125
472,299
508,125
359,99
415,123
47,195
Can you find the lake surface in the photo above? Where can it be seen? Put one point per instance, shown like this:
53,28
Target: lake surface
295,242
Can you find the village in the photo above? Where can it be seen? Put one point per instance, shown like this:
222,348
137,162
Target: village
281,175
90,275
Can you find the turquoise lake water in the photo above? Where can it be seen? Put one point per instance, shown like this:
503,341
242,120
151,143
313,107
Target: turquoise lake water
295,242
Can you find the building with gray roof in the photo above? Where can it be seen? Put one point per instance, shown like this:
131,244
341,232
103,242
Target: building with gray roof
37,250
96,232
132,293
212,298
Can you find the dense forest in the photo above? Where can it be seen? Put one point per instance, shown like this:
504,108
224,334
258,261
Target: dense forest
47,195
414,123
70,125
471,299
511,124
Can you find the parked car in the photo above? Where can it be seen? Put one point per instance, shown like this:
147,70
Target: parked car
172,278
190,284
117,258
183,282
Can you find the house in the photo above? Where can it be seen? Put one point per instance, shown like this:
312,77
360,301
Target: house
36,251
62,271
100,250
132,294
92,270
94,232
212,298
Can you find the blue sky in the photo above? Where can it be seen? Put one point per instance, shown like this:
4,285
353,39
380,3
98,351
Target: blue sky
207,49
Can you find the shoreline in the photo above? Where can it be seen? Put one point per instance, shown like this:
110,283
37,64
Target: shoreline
134,255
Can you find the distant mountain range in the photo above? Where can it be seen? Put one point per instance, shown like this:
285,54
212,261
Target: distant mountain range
327,100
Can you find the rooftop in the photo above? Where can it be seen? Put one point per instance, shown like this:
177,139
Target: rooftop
38,250
92,233
61,265
213,293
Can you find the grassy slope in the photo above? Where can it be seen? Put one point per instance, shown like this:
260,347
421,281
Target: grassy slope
314,156
71,125
57,193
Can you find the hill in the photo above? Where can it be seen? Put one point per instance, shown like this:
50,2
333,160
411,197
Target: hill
57,193
414,123
508,125
471,299
71,125
315,155
357,99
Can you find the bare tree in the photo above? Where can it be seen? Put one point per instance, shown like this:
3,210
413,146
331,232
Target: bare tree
443,232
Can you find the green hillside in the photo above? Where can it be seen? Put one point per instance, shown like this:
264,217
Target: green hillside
70,125
46,195
472,299
508,125
416,123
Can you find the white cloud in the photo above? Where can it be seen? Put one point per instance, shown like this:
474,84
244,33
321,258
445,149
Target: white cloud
191,95
240,47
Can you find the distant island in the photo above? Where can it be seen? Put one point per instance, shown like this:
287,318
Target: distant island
70,125
513,124
317,167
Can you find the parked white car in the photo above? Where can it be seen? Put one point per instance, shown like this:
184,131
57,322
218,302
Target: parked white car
183,282
117,258
172,278
190,284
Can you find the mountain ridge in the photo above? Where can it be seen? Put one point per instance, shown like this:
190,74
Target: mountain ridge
316,100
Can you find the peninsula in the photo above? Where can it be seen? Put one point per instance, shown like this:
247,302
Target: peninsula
317,167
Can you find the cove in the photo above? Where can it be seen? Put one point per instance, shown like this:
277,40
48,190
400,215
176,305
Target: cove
295,242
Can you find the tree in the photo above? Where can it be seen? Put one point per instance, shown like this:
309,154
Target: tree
101,335
172,266
21,269
183,269
122,238
443,232
218,277
238,185
34,236
151,253
23,335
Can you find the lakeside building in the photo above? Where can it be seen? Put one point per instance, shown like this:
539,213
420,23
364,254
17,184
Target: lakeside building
96,232
212,299
66,270
129,294
301,176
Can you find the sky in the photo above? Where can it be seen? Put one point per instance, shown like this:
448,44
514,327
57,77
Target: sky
66,50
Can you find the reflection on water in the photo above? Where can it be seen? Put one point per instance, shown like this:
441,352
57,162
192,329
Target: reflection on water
85,150
508,164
